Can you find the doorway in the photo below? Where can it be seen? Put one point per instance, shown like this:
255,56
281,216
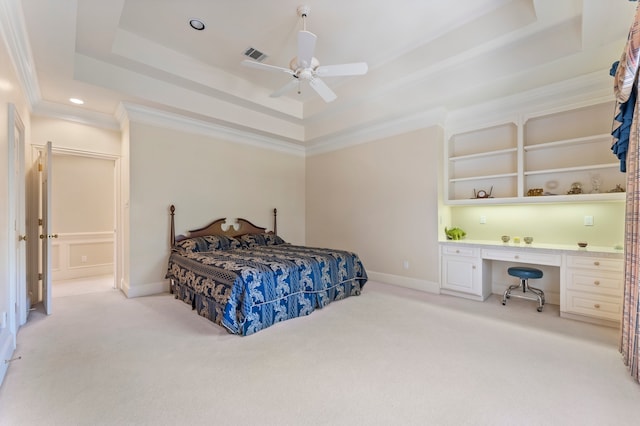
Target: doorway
83,218
83,222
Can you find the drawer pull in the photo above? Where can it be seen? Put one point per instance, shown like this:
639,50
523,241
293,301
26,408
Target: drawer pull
516,256
596,282
457,251
596,263
473,267
597,306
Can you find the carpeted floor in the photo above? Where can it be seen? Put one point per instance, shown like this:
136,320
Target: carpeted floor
391,356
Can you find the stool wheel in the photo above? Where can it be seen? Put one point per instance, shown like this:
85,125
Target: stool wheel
539,308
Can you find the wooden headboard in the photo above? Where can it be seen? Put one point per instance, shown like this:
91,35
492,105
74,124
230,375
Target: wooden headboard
240,227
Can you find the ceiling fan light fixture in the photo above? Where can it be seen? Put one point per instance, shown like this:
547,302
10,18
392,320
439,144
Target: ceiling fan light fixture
305,67
197,24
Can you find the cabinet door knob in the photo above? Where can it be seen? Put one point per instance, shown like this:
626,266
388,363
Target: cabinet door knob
596,263
473,267
597,306
516,256
457,251
596,282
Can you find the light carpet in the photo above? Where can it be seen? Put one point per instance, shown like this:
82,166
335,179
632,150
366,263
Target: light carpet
391,356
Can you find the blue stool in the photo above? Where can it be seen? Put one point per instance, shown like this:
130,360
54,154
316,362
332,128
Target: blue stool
524,273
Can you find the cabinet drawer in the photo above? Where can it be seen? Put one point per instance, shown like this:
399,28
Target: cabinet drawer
460,251
523,257
606,283
583,303
595,263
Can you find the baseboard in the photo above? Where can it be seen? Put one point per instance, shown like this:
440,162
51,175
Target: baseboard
145,289
406,282
82,272
7,347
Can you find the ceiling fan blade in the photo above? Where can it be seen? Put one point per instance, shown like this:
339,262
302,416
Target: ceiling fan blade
284,89
266,67
356,68
306,47
322,89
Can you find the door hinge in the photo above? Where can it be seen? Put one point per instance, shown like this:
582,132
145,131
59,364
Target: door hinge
40,277
39,222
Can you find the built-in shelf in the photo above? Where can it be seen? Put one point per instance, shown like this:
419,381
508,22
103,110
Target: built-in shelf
568,142
551,152
483,154
474,178
572,169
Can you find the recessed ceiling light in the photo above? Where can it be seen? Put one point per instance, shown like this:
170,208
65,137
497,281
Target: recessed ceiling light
197,24
76,101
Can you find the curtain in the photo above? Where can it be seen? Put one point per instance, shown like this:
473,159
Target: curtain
625,80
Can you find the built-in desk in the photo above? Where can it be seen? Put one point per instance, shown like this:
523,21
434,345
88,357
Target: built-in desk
590,279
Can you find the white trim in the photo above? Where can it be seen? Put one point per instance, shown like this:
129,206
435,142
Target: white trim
379,130
13,31
141,114
7,346
406,282
75,114
78,153
573,93
145,289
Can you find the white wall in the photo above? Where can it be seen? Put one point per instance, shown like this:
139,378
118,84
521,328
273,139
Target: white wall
379,199
10,92
206,178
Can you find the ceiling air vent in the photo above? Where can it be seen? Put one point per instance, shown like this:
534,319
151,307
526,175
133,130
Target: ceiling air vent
255,54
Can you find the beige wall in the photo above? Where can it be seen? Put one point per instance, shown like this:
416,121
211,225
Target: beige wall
82,194
75,136
206,178
83,211
379,199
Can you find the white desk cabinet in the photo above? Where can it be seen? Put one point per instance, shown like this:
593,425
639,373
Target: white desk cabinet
463,272
594,288
591,281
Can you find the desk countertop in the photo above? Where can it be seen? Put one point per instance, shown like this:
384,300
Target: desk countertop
568,248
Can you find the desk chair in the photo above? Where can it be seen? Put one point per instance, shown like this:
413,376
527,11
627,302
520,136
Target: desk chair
524,274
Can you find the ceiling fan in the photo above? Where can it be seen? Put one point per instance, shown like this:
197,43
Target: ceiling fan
305,67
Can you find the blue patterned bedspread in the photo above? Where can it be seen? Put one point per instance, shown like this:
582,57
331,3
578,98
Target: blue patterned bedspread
248,289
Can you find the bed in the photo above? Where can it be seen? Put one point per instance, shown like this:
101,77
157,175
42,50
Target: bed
245,278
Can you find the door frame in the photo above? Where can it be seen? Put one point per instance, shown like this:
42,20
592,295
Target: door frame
36,183
17,223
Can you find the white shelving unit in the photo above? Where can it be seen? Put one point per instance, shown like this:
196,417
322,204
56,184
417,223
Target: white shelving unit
549,152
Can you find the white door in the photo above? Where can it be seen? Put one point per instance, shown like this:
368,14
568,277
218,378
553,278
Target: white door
17,220
46,163
20,223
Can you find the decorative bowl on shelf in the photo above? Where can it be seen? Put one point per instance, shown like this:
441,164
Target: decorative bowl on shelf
528,240
582,244
505,238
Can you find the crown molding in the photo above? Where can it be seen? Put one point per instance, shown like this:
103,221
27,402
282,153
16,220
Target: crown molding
13,31
379,130
130,112
75,114
573,93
